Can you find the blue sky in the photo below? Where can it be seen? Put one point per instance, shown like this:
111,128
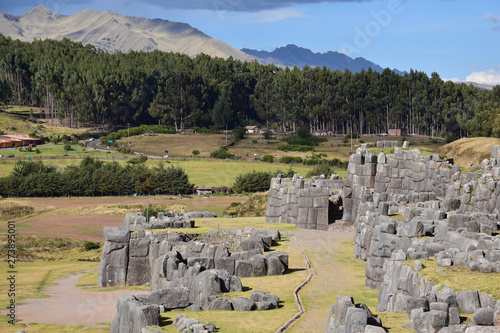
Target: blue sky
458,39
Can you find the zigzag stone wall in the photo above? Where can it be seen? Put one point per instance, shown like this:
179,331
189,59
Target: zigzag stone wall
396,201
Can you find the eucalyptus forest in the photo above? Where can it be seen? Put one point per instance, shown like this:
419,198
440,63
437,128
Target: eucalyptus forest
84,86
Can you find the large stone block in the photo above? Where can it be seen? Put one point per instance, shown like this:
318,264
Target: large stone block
171,298
259,265
225,263
243,268
243,304
117,234
113,265
468,301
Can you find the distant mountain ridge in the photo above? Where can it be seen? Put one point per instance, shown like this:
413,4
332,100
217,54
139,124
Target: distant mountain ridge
292,55
113,32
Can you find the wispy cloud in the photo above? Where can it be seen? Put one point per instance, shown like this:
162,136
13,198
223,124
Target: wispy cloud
490,76
275,15
494,19
491,17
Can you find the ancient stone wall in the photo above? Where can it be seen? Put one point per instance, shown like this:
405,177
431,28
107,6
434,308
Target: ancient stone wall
415,207
303,202
129,258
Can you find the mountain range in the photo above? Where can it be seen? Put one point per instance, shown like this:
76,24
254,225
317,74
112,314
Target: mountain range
292,55
113,32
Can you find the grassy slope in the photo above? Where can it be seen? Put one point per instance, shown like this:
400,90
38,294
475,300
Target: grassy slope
469,151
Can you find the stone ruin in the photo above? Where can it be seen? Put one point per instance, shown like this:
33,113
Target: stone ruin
351,317
408,206
183,272
313,204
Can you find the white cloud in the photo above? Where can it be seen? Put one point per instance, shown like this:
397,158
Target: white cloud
490,76
273,15
492,17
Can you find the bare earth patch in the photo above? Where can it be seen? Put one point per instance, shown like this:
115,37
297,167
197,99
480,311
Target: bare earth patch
67,304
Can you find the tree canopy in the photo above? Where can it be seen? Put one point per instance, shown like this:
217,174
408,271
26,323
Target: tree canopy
82,85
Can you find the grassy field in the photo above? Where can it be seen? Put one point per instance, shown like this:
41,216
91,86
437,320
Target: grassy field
469,151
200,172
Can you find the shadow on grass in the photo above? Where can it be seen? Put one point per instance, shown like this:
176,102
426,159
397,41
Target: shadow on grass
293,270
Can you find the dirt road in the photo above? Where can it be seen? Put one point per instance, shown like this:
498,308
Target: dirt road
70,305
335,273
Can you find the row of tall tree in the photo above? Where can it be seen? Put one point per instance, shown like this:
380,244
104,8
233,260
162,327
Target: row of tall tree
82,85
93,178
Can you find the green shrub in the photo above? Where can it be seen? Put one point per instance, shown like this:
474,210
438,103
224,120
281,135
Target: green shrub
451,138
289,147
268,158
221,154
89,245
268,134
67,147
349,136
290,159
239,133
152,211
37,151
195,152
125,150
255,181
138,160
254,140
321,169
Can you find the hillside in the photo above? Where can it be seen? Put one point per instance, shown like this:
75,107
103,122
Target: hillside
113,32
292,55
469,151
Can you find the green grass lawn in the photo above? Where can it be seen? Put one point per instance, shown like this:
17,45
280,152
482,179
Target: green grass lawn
200,172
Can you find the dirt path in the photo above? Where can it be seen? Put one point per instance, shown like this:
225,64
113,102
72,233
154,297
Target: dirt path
70,305
333,275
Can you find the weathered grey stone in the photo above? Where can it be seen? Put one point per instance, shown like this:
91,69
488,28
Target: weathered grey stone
261,296
275,266
117,234
225,263
243,268
343,303
259,265
484,316
468,301
355,317
453,315
113,265
250,244
243,304
374,329
133,314
220,304
170,298
210,282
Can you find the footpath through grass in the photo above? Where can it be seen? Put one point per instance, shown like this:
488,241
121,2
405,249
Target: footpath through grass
31,281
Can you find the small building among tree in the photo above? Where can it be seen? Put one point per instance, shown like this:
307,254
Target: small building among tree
204,190
253,129
398,132
12,141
